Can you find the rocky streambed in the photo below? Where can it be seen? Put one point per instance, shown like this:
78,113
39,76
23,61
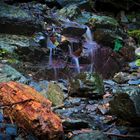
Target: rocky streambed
81,57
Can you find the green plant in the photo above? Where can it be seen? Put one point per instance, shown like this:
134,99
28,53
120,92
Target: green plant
118,45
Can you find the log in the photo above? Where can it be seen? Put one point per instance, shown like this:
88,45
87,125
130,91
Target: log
30,110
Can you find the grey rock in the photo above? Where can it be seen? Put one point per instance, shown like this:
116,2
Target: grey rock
17,21
7,73
95,135
121,77
21,46
73,29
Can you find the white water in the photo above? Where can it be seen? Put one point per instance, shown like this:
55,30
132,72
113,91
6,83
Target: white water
90,46
55,73
76,61
51,46
70,50
50,57
89,37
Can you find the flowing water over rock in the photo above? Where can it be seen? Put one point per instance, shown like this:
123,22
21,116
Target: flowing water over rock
77,65
90,47
75,60
51,46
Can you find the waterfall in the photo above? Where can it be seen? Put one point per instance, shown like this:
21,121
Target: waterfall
55,73
75,59
70,50
88,35
51,46
90,46
50,57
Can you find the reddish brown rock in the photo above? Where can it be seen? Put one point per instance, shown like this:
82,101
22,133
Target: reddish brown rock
30,110
105,62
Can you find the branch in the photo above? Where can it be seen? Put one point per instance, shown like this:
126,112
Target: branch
21,102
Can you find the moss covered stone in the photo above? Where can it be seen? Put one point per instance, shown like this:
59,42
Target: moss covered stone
86,85
55,94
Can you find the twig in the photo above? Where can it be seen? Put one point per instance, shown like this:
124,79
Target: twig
122,136
57,107
21,102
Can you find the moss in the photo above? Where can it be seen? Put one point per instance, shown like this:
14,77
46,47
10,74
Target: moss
133,15
135,34
13,12
71,11
103,21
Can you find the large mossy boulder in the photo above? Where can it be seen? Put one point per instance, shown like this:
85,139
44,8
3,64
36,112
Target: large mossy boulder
101,21
14,20
95,135
21,47
71,12
86,85
106,29
10,42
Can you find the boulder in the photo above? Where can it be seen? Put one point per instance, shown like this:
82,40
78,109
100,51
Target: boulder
86,85
73,29
14,20
126,107
7,73
121,77
126,103
101,21
24,47
71,12
54,93
106,29
107,65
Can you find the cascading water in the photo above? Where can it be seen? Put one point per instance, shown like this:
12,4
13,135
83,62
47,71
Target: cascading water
75,60
50,57
90,46
89,37
51,46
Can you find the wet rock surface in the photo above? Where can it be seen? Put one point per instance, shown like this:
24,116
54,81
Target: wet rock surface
97,135
76,54
7,73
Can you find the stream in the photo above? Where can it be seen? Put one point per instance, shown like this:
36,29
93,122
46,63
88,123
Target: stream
72,69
